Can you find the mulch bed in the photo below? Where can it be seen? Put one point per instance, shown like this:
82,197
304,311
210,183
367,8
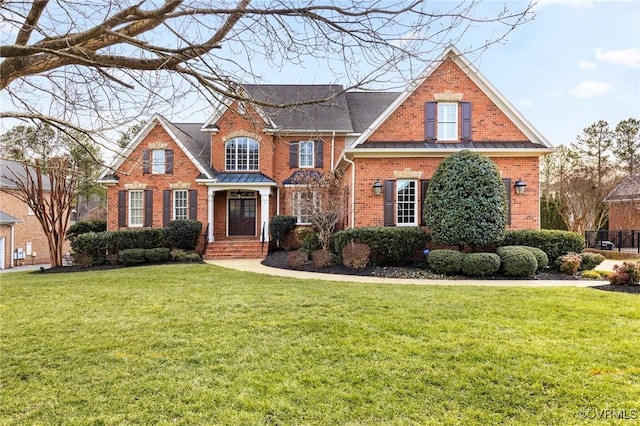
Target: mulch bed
278,259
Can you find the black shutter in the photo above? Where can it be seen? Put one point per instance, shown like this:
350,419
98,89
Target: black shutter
148,208
293,155
466,120
424,186
389,203
166,207
319,152
507,187
168,161
146,162
122,208
430,120
193,204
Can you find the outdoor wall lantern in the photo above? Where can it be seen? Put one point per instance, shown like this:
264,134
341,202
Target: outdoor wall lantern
520,186
377,187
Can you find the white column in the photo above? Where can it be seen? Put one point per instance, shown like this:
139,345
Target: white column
265,213
211,197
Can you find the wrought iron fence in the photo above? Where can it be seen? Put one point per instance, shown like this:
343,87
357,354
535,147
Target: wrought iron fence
613,240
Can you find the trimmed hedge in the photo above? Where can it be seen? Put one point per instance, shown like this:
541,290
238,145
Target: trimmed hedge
85,227
590,260
554,243
541,256
445,261
517,261
396,244
132,257
479,264
183,234
100,248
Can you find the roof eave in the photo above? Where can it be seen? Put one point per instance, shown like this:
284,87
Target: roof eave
413,152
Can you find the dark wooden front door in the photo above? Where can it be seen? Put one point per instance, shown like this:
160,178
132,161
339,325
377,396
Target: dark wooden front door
242,217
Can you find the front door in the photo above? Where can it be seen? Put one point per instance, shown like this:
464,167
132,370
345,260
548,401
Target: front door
242,216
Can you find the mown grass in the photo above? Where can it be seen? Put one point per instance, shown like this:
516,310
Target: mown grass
198,344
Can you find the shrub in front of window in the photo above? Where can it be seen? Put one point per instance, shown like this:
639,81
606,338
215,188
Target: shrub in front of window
145,238
280,226
553,242
308,240
297,259
569,263
321,258
394,244
517,261
133,257
356,255
183,234
158,255
445,261
93,249
590,260
84,227
626,274
466,203
479,264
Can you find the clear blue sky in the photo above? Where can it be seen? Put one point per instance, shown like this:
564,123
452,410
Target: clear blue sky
576,63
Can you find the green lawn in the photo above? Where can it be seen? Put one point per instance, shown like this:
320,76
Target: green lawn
198,344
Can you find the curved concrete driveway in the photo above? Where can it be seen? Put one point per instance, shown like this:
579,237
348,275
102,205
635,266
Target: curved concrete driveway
254,265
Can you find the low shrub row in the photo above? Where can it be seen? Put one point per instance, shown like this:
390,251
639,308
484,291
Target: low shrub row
392,244
553,242
131,257
99,248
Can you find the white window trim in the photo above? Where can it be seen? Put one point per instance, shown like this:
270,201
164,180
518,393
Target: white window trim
415,203
175,206
158,164
247,141
129,215
457,121
297,208
313,154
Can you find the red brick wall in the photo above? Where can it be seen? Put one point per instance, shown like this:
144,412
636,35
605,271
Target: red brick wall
624,216
368,209
488,123
27,230
130,172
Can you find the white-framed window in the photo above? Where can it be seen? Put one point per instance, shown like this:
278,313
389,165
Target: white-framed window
158,161
304,203
241,154
406,202
447,121
136,208
306,154
180,204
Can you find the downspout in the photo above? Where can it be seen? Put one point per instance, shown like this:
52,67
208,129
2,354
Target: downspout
353,190
278,200
333,148
12,245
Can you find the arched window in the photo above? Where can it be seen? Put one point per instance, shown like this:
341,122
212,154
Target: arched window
241,154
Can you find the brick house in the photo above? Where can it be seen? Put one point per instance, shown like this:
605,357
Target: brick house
234,171
624,205
22,240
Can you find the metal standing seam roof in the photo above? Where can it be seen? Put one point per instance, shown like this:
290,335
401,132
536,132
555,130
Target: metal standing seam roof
233,178
7,219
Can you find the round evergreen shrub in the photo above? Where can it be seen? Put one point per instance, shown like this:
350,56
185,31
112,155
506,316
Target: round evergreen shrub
553,242
445,261
541,256
280,226
466,203
480,264
517,261
132,257
590,260
183,234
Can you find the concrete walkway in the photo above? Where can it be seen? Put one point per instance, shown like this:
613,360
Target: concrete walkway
254,265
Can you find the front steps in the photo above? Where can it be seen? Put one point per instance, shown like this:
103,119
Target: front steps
231,249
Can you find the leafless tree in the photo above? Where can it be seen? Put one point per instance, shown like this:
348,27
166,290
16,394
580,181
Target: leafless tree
322,200
99,64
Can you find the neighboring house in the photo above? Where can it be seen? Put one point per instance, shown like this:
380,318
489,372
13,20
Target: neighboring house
624,205
22,240
237,169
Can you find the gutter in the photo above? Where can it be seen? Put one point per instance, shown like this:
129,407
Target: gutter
353,192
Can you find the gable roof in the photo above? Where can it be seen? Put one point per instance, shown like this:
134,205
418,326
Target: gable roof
194,143
13,170
452,53
627,190
7,219
365,107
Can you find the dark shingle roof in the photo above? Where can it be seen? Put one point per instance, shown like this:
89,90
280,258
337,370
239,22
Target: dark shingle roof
365,107
11,171
332,114
198,143
627,190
